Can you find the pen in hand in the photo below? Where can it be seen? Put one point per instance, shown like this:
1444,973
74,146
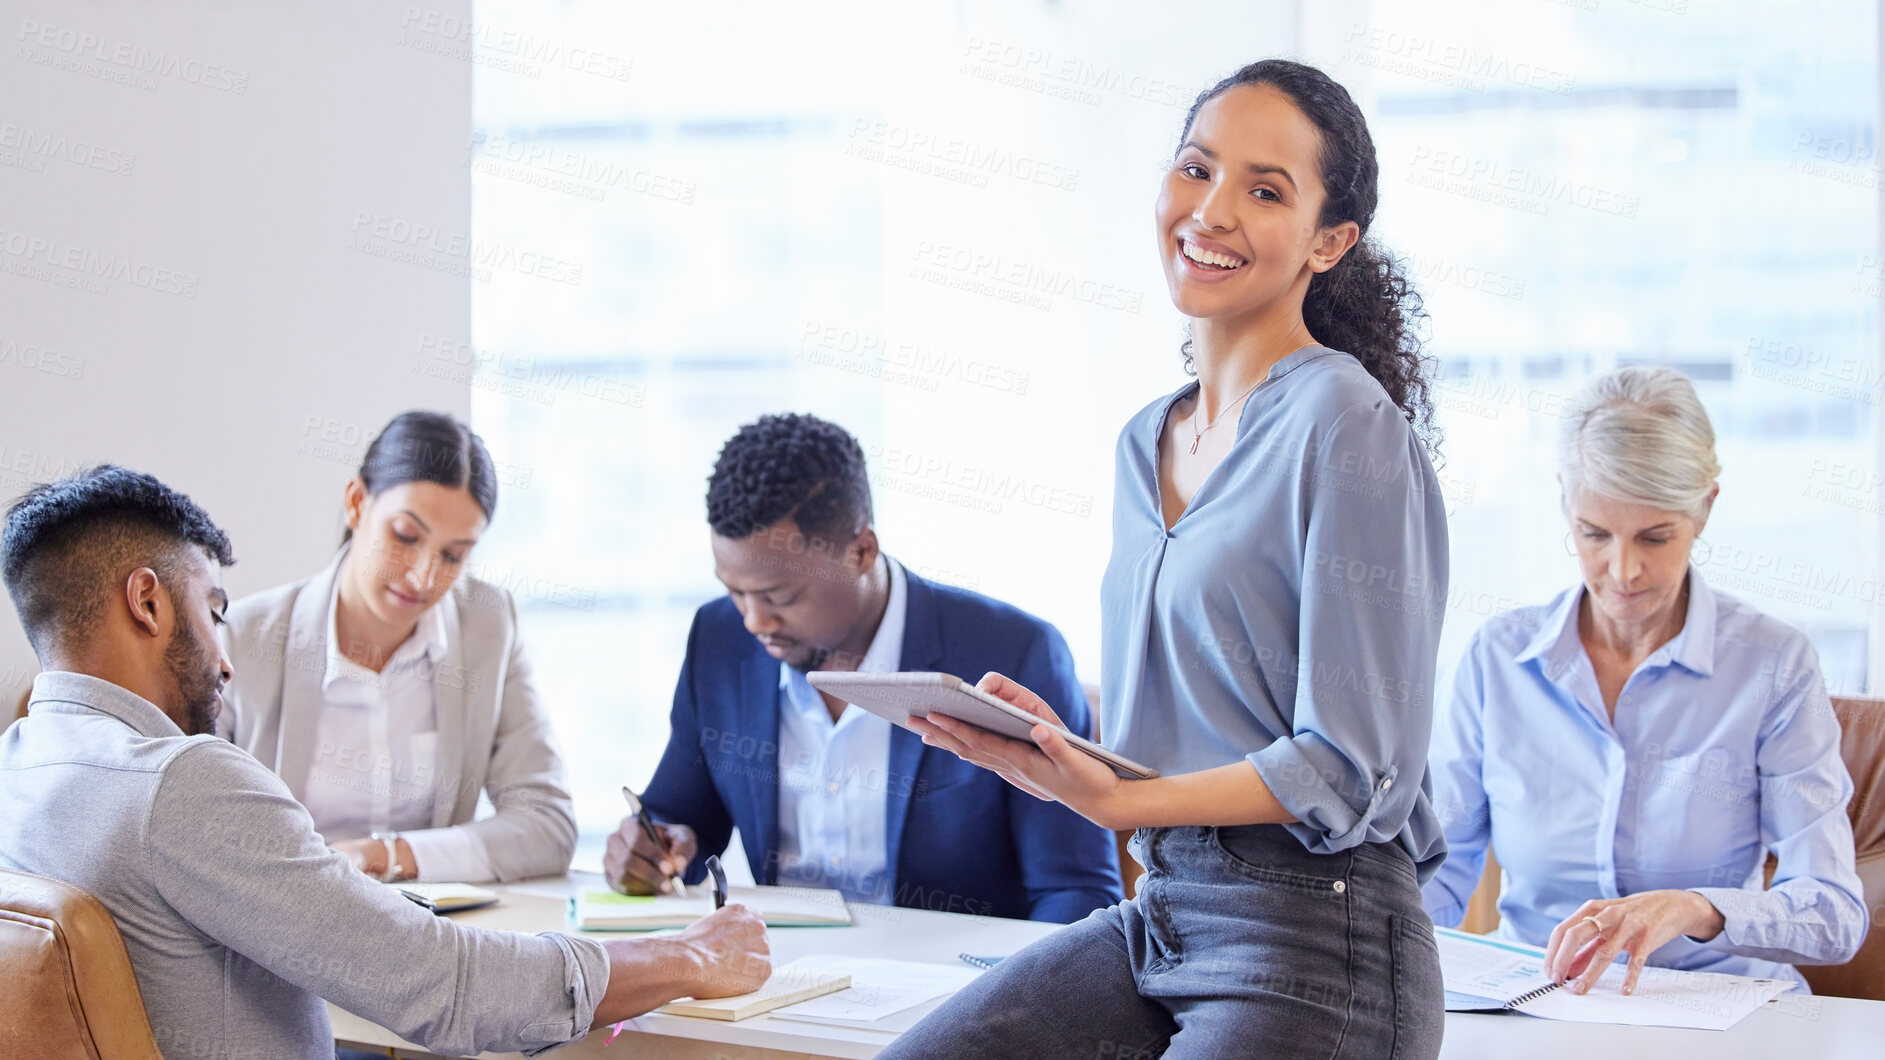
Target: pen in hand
654,835
719,881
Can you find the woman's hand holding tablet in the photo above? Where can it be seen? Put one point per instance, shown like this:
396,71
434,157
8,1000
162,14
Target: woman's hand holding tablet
999,725
1046,766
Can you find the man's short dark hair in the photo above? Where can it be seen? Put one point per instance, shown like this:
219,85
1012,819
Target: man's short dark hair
69,544
790,465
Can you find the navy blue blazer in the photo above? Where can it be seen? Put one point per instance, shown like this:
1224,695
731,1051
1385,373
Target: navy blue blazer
960,838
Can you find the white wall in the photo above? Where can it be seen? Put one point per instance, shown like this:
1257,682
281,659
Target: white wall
1875,654
187,286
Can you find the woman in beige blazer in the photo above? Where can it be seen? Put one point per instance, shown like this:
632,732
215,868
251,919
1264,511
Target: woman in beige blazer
389,689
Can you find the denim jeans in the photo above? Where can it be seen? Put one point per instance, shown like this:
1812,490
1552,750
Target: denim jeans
1240,944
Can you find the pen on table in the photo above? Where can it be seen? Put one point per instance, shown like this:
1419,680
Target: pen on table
654,836
719,881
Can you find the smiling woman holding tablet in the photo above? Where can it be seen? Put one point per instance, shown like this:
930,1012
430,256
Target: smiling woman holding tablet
1270,615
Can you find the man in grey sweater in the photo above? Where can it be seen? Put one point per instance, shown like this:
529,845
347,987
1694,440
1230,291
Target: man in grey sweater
237,917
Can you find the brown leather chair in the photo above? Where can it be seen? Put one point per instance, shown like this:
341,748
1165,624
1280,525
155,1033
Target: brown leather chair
1862,743
70,993
1482,909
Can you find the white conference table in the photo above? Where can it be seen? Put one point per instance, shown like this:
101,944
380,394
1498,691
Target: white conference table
1812,1027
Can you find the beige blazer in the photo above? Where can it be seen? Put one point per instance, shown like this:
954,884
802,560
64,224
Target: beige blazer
494,735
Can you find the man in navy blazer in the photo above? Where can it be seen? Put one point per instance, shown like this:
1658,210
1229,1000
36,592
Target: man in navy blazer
823,793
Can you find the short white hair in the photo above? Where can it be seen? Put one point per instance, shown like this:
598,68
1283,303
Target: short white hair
1640,435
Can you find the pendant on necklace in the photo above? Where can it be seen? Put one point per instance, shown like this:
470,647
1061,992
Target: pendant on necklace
1194,443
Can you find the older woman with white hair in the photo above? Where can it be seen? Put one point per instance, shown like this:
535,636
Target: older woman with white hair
1634,748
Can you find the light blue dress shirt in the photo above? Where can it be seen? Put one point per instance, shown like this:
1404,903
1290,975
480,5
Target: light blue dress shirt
1724,747
833,794
1291,617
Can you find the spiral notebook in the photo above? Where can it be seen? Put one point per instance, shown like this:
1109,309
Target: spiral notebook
1486,974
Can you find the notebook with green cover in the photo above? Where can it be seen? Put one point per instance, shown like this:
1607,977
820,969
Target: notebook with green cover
603,910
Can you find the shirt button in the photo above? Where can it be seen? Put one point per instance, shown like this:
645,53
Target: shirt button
1340,887
832,787
1386,784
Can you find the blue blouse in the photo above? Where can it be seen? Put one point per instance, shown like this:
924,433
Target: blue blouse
1724,747
1291,617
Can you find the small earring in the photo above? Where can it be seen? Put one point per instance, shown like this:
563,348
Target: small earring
1569,549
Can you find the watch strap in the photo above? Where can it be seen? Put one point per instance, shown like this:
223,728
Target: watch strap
389,842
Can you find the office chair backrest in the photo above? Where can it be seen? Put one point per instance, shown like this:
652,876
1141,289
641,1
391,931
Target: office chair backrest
66,979
1862,743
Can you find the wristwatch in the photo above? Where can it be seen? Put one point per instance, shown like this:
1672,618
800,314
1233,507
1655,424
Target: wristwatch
389,841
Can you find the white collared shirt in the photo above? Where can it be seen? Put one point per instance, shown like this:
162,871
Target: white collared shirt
833,790
375,766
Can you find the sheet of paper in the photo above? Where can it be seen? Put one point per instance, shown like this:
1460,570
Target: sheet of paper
879,988
1664,997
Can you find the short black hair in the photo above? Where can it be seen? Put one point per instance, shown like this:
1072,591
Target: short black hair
424,446
69,543
790,465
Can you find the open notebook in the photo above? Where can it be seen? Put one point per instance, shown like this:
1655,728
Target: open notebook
1485,974
447,897
602,910
801,980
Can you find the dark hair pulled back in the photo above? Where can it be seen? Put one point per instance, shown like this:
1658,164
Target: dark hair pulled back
429,447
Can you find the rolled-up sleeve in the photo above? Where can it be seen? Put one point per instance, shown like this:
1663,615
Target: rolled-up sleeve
1374,576
1813,912
237,857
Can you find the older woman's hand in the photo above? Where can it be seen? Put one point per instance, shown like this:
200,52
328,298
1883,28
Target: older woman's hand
1640,924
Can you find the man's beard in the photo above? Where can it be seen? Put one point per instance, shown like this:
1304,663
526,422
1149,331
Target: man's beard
814,658
198,677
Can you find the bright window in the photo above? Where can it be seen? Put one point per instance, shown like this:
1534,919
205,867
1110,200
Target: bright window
934,227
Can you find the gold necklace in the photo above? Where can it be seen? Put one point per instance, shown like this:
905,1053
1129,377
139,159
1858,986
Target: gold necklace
1196,434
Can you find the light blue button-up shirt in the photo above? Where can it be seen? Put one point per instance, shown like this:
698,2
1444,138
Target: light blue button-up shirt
1291,616
833,794
1724,747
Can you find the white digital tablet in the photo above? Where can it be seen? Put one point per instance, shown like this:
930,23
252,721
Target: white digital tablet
898,697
